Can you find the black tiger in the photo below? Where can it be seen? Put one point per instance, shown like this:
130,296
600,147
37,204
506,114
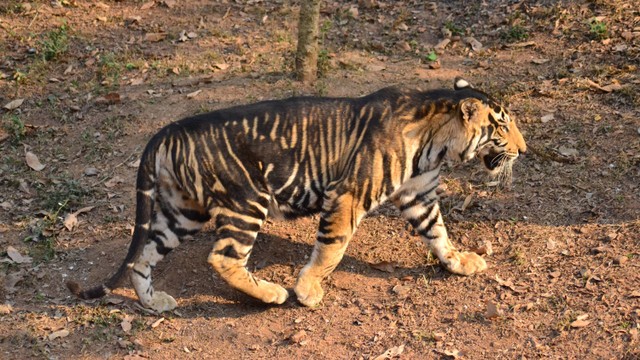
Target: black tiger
341,157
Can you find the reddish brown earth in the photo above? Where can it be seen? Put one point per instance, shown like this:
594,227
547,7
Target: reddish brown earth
564,277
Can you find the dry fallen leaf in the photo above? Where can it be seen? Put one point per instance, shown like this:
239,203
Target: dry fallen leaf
6,309
635,294
493,311
386,266
58,334
475,44
547,118
113,182
580,323
193,94
391,353
33,161
156,323
567,151
154,37
148,5
455,353
14,104
16,256
540,61
11,280
126,323
71,220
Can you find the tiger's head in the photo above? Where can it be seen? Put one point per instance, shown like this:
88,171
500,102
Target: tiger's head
491,134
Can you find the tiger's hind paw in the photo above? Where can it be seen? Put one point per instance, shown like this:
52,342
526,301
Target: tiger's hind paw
161,302
465,263
309,291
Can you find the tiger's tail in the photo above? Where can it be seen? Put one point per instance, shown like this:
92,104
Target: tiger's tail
145,186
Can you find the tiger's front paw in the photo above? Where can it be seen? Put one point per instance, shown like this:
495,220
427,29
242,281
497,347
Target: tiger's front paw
464,263
309,291
161,301
272,293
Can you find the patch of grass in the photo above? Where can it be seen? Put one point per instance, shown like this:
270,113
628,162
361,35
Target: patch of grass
43,237
109,70
514,34
55,43
455,29
598,30
431,57
63,193
15,127
518,257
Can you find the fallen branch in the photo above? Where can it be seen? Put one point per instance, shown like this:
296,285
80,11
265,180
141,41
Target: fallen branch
545,154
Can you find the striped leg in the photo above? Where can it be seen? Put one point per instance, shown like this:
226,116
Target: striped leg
421,209
169,226
237,230
339,221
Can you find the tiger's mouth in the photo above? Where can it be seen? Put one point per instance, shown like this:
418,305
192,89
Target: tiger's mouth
499,165
493,159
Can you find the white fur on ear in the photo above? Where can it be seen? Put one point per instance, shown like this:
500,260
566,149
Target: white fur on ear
461,83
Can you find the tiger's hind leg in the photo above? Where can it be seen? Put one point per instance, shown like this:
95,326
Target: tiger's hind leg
173,220
237,230
340,218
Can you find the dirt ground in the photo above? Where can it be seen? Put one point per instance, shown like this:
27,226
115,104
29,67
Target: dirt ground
98,79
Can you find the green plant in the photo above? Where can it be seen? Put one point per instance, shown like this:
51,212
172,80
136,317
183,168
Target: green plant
109,69
431,56
62,194
515,33
55,43
323,62
43,236
15,127
598,30
455,29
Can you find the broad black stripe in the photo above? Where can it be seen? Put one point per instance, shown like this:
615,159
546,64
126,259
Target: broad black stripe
419,198
237,222
328,240
161,248
241,237
195,215
229,251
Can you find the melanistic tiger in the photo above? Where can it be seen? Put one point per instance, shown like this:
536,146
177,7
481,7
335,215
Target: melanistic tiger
341,157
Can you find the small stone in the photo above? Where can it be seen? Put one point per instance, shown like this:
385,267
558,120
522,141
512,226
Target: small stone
299,336
435,65
90,171
620,260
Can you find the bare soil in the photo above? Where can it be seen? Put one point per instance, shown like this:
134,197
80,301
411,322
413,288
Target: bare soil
98,79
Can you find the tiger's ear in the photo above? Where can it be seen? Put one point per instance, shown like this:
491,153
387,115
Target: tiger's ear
460,83
470,110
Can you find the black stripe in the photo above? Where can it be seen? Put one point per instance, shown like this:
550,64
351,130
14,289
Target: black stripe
141,274
195,215
419,198
222,220
328,240
238,236
229,251
160,246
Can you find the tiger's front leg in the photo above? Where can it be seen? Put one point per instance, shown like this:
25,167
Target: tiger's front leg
422,211
339,220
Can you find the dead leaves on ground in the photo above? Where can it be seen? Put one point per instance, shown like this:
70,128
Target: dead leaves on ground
71,220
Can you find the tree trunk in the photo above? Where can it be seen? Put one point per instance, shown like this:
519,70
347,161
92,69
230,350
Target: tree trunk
307,53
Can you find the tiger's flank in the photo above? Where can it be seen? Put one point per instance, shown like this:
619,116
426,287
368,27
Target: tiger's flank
340,157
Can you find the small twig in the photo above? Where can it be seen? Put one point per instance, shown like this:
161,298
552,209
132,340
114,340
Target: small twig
543,153
34,19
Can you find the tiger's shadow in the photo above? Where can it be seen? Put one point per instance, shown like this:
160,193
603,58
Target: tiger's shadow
186,275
